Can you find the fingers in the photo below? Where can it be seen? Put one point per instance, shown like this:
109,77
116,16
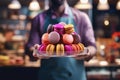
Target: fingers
83,55
36,53
43,57
36,46
80,57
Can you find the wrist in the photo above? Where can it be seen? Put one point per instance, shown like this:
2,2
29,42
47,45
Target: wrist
92,50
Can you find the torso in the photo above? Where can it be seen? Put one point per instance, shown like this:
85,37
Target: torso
64,68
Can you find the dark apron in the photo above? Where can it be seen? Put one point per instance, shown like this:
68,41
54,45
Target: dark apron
62,68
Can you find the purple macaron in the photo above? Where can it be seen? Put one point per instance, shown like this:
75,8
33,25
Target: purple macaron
50,28
59,28
54,37
76,38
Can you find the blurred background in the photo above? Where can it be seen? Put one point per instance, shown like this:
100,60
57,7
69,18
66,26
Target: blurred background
15,24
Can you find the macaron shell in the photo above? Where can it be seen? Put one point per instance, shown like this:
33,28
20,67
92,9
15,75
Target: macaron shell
45,38
42,48
78,49
54,37
50,49
74,47
62,49
58,46
63,23
50,28
47,48
76,38
69,28
67,39
69,50
70,31
81,46
59,28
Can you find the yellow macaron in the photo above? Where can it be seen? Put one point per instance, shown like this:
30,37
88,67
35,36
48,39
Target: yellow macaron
50,49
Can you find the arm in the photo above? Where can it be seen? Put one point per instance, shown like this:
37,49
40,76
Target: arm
87,36
34,38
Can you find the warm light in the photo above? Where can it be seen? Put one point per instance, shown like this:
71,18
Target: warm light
46,4
34,6
14,5
83,4
118,5
103,5
103,1
102,46
84,1
103,63
106,22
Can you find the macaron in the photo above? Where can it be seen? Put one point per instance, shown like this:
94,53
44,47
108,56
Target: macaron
63,23
50,28
59,28
60,50
50,49
74,48
45,38
54,37
68,50
81,46
76,38
69,28
78,48
67,39
42,47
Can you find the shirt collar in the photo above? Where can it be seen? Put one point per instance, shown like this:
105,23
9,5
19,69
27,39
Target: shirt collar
66,11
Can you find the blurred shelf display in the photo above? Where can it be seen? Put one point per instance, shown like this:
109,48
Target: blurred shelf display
14,34
15,25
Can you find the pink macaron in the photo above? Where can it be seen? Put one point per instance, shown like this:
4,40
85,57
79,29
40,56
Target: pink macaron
59,28
67,39
42,47
63,23
68,49
54,37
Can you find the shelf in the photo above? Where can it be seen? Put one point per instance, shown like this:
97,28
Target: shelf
9,21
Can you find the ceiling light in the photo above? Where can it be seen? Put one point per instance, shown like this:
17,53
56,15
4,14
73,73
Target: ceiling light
118,5
46,4
14,5
106,22
34,5
83,4
103,5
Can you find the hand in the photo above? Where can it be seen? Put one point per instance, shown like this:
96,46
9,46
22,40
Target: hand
86,55
35,52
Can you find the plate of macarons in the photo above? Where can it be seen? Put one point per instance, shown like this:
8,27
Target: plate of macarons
60,40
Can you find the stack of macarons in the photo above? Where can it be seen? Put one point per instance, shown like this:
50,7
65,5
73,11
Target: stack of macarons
61,40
